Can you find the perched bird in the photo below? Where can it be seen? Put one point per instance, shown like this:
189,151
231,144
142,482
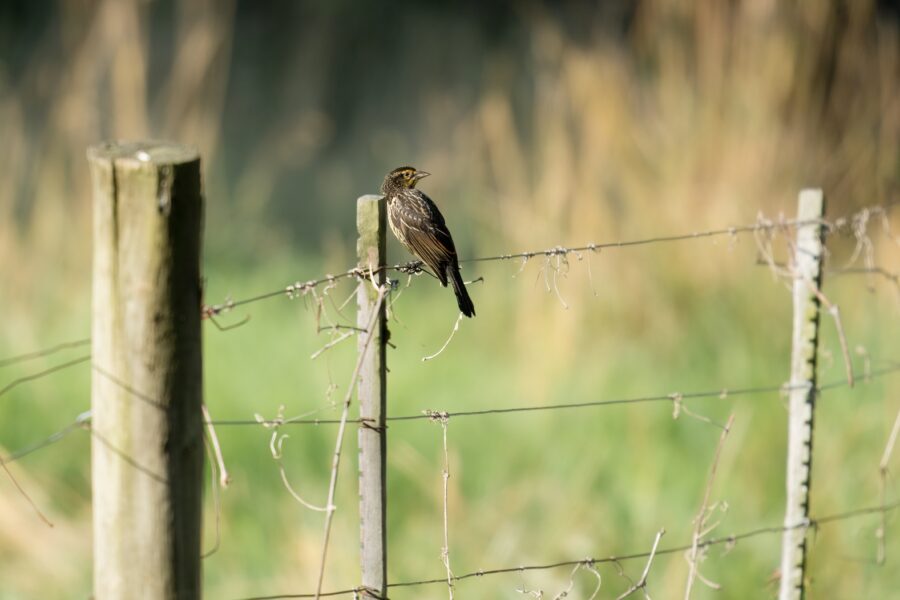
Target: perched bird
419,226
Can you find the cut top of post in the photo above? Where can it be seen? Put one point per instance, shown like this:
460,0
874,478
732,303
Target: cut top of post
810,204
370,223
154,152
367,213
809,238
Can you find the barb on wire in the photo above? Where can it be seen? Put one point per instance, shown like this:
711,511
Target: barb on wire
45,352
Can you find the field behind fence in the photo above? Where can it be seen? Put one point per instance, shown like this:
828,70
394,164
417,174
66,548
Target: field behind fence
609,446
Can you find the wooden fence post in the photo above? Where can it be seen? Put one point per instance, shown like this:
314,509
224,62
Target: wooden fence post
146,389
371,223
807,264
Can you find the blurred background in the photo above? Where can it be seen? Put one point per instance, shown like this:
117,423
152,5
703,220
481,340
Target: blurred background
543,124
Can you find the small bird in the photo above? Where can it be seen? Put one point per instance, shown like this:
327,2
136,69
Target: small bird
420,226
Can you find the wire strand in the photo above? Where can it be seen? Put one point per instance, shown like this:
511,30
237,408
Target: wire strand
45,352
34,376
83,419
81,422
301,287
718,393
728,540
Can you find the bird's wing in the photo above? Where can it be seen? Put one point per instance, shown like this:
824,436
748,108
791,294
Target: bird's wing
428,237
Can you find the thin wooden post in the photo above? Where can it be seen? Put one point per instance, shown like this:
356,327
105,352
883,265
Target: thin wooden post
371,223
807,280
147,436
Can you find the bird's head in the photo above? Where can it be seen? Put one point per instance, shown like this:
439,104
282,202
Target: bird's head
402,177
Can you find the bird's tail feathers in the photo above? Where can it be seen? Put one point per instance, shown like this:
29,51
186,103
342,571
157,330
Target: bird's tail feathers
462,295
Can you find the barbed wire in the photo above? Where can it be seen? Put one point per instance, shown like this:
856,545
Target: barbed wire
721,393
299,288
728,540
82,421
560,252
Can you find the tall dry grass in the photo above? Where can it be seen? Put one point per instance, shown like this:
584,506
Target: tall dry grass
696,114
705,114
86,79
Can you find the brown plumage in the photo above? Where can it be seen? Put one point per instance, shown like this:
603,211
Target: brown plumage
420,226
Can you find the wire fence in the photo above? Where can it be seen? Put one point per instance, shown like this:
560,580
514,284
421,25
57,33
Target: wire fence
728,540
82,421
855,225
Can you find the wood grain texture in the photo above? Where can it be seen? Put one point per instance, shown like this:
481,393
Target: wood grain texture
146,391
371,222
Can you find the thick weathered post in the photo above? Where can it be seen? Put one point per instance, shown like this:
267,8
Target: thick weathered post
371,222
146,390
807,279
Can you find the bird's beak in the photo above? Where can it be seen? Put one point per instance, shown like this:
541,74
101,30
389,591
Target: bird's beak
421,175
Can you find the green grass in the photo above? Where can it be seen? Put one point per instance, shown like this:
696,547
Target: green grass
525,488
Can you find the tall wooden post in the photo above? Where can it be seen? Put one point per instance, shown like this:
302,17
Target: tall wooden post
807,279
146,389
371,222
